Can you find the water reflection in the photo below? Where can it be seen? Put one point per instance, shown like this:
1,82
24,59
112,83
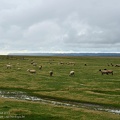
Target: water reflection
24,96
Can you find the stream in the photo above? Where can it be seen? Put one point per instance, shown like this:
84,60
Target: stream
19,95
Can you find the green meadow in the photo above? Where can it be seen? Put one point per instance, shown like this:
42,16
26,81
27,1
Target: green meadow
88,85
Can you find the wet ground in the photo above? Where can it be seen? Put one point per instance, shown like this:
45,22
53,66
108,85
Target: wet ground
19,95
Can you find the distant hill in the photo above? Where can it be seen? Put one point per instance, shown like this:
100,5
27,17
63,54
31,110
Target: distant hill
66,54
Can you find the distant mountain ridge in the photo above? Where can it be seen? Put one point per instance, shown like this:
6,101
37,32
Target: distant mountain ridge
65,54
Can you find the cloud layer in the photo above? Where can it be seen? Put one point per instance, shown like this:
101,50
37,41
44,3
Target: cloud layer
59,26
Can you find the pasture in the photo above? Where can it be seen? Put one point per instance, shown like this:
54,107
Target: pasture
87,86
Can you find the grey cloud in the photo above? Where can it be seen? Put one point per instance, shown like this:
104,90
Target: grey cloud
60,25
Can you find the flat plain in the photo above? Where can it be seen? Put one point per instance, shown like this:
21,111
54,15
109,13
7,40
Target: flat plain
86,86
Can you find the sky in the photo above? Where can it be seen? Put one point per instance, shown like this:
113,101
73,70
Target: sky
59,26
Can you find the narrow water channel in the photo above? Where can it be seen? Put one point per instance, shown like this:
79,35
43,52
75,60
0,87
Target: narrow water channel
19,95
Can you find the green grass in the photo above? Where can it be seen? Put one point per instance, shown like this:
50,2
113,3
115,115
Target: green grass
88,85
35,111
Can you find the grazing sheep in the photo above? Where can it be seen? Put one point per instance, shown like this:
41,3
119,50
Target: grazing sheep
105,71
19,68
31,71
51,73
34,64
110,72
61,63
71,73
71,63
40,67
18,63
9,66
117,65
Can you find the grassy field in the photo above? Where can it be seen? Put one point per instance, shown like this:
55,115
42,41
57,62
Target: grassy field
87,86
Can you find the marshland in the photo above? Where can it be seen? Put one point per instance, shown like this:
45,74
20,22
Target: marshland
38,95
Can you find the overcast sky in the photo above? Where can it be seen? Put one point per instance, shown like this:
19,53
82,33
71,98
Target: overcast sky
59,26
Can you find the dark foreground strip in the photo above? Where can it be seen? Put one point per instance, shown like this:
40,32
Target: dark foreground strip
19,95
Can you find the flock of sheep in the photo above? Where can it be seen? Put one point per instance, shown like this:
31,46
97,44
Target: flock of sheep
71,73
105,71
50,72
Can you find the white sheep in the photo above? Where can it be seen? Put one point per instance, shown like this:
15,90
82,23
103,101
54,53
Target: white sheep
40,67
71,63
31,71
19,68
72,73
110,72
61,63
34,64
117,65
105,71
51,73
9,66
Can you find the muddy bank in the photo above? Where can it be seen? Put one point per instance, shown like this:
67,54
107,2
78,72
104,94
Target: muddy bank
19,95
